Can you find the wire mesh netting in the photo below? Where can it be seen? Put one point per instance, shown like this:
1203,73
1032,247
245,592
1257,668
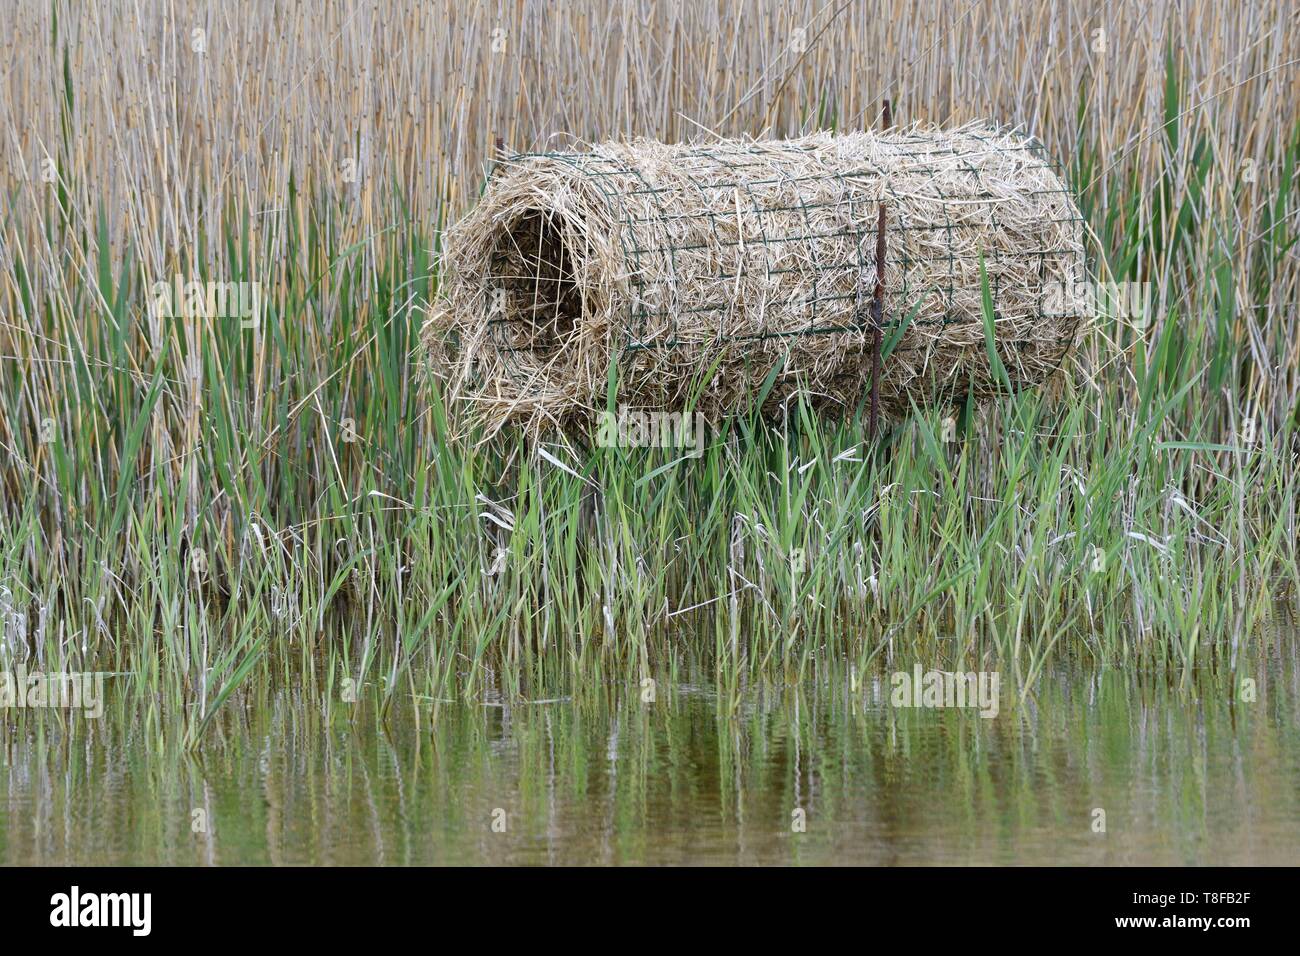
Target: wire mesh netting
672,258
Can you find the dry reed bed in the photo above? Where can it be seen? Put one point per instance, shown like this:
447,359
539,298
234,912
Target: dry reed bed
162,138
705,265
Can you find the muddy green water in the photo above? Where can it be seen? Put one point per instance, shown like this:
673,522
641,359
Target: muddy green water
1183,774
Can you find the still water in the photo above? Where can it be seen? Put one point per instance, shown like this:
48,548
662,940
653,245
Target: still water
1183,775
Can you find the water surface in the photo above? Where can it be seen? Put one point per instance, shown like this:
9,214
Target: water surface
1184,774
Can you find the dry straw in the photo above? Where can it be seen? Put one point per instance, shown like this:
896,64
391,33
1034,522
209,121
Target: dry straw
698,268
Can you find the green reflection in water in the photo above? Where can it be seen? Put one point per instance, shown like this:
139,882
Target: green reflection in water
1184,775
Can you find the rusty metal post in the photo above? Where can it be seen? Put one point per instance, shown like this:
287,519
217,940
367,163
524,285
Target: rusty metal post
878,299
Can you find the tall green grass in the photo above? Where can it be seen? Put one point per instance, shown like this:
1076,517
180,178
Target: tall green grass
323,531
